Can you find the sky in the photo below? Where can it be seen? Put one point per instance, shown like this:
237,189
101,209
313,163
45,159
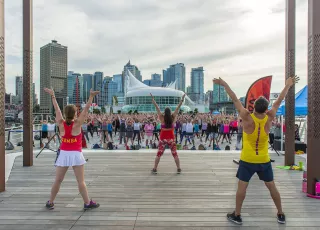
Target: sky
239,41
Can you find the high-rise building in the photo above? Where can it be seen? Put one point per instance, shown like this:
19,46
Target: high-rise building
118,79
34,96
112,91
19,89
219,94
75,88
103,96
98,86
135,72
197,85
176,72
188,90
97,81
153,83
156,77
53,74
87,85
209,97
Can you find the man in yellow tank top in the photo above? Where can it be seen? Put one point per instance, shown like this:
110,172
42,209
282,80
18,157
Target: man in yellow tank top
255,156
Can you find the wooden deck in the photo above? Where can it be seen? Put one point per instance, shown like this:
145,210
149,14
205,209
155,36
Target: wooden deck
132,198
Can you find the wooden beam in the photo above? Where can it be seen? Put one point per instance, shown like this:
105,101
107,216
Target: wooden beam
27,83
2,101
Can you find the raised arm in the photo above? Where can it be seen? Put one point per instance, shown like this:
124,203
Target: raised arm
83,115
244,113
178,107
156,105
289,82
59,117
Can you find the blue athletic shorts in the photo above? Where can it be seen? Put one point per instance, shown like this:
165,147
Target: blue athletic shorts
247,170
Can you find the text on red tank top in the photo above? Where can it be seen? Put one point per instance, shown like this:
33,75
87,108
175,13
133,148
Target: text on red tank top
70,142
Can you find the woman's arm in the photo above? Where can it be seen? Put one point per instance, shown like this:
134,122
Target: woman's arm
59,117
178,107
156,105
85,111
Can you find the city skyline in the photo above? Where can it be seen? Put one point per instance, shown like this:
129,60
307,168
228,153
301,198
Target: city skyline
252,49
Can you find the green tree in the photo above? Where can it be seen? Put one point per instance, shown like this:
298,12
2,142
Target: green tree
135,112
119,111
195,111
96,111
180,111
103,109
130,111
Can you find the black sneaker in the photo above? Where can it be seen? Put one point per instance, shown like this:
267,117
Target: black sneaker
91,205
235,219
154,171
49,205
281,218
178,171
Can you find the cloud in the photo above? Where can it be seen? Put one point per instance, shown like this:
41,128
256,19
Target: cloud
237,40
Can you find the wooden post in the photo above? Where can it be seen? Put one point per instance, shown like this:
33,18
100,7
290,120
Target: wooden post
313,95
290,71
2,100
27,83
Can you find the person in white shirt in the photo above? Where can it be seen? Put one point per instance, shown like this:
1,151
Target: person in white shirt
136,130
183,130
51,131
189,132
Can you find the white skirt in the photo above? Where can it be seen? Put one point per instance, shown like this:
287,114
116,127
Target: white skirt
70,158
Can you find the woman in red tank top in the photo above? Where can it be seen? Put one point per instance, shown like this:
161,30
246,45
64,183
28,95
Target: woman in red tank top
70,152
167,133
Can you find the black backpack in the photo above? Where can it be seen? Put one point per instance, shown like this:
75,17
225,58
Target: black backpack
227,147
110,146
96,146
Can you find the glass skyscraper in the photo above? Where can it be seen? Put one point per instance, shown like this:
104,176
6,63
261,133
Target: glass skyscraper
223,97
75,88
176,72
156,77
87,85
118,79
197,85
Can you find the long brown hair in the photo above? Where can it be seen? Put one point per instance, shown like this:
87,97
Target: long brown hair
168,119
69,113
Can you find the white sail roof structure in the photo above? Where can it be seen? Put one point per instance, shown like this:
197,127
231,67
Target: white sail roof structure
135,88
172,85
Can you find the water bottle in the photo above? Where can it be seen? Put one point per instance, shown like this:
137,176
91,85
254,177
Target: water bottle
317,188
304,182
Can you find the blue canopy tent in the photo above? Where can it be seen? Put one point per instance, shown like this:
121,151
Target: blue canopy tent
215,112
301,103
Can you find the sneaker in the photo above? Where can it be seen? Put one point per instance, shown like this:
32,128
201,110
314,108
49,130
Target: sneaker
235,219
49,205
154,171
281,218
178,171
92,205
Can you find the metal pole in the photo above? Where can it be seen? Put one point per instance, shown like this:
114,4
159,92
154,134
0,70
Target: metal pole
27,82
2,100
290,71
313,95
